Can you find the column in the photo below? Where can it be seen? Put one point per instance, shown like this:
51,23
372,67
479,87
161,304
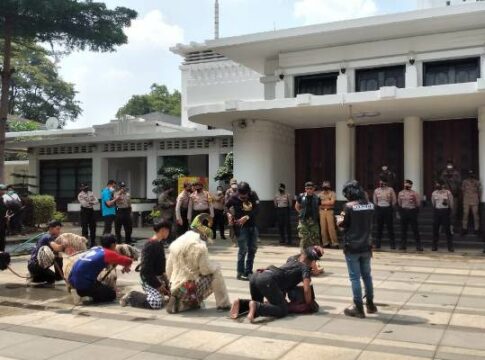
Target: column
34,171
269,83
481,146
411,76
214,164
342,83
343,157
100,174
264,156
151,174
413,151
482,66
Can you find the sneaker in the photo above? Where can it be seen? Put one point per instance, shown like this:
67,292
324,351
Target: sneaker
242,277
125,300
355,311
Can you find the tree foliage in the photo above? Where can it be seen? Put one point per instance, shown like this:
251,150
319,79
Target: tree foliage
168,178
73,24
225,172
159,99
37,92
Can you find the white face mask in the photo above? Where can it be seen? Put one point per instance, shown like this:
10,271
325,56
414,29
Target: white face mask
384,168
234,187
449,167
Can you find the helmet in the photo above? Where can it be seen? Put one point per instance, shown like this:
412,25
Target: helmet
45,257
353,191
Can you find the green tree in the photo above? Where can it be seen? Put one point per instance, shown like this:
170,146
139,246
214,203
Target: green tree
225,172
37,91
74,24
168,178
159,99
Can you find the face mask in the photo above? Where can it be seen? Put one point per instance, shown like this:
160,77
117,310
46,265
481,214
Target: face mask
439,187
407,187
449,167
234,187
383,185
112,189
326,188
282,190
384,168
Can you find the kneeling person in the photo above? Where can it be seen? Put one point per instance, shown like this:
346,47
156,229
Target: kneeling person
152,272
85,271
273,284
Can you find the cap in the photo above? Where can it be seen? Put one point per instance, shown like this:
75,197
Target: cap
122,184
309,184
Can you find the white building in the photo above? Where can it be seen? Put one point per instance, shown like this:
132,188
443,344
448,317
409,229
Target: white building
336,101
130,150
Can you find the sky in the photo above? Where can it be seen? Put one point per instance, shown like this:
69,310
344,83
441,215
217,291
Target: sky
106,81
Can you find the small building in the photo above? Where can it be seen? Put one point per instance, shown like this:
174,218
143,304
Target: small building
131,149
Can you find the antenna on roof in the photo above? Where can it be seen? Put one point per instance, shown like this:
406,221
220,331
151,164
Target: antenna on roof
216,20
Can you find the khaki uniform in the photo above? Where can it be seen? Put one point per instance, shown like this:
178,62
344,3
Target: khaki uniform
327,219
123,216
199,203
471,189
282,203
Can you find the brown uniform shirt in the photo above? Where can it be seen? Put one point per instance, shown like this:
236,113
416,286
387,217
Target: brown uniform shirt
471,191
408,199
327,196
384,197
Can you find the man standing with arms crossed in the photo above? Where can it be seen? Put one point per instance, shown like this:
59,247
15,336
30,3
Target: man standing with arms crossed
327,220
181,209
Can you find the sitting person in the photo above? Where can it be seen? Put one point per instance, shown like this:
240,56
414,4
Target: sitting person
4,260
273,283
84,273
152,272
46,254
192,275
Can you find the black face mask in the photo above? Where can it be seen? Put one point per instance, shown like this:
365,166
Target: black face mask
439,187
282,191
407,187
326,188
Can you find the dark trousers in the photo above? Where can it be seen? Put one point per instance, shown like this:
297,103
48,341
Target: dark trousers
198,212
88,225
16,222
284,225
108,223
218,223
41,275
409,217
3,229
99,292
442,218
263,285
247,241
384,216
123,219
182,229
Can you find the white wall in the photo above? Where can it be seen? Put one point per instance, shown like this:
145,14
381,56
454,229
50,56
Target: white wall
132,171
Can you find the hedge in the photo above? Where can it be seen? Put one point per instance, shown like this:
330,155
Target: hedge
44,207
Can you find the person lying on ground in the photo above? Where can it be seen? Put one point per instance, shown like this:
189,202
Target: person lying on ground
152,272
274,283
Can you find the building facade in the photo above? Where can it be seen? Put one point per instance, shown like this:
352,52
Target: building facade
337,101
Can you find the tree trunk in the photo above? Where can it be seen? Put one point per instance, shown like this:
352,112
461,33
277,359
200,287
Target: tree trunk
6,75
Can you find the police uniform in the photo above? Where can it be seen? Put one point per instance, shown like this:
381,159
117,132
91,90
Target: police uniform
442,201
452,181
123,216
471,189
327,219
88,219
199,203
408,202
181,210
282,203
384,200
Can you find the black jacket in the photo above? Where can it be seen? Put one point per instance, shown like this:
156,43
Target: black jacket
152,263
357,227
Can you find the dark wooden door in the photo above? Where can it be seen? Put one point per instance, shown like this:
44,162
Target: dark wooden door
455,140
376,145
314,156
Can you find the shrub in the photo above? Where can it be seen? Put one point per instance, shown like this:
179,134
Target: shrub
44,207
59,216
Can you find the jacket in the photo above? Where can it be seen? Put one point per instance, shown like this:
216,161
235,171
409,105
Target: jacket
357,227
302,200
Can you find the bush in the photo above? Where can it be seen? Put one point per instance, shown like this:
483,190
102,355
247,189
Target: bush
59,216
44,207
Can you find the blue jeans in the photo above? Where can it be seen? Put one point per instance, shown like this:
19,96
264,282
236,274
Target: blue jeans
248,244
358,266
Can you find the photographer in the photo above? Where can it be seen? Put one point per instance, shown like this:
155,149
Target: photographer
123,214
442,200
356,221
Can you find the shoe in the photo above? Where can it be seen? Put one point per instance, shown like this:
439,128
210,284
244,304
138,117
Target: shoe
403,248
393,247
242,277
356,310
125,300
370,307
451,250
223,238
224,308
434,248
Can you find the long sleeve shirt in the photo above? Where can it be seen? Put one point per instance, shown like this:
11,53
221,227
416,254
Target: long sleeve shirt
181,204
442,199
241,209
152,263
384,197
327,199
199,201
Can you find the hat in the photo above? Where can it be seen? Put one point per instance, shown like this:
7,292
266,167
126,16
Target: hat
326,183
313,253
3,187
233,181
309,184
122,184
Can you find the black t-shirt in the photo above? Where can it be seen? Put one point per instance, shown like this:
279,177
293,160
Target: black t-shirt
291,274
152,263
241,208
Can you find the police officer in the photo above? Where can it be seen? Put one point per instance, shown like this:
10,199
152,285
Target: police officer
327,220
384,201
442,201
3,220
88,221
408,202
282,203
182,208
471,189
388,175
123,214
451,179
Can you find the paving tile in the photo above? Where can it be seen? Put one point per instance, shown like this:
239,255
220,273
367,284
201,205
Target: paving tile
8,338
152,356
321,352
92,351
471,302
408,316
308,322
103,327
201,340
257,348
464,339
360,328
374,355
411,333
452,353
41,348
149,334
441,289
431,299
466,320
